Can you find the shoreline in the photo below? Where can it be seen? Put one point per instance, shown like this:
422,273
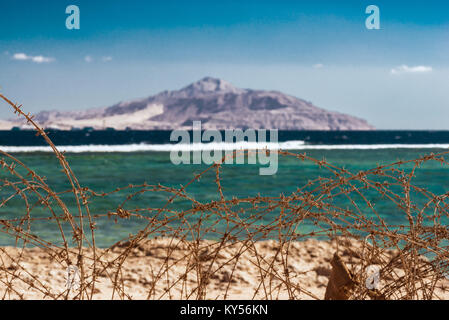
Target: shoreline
164,268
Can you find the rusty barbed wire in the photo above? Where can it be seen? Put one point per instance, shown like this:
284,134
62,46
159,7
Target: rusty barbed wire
413,257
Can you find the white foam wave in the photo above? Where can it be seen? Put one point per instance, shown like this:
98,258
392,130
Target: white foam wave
288,145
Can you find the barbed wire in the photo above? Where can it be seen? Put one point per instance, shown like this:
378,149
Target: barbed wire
412,258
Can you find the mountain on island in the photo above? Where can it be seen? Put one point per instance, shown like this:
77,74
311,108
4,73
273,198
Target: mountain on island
216,103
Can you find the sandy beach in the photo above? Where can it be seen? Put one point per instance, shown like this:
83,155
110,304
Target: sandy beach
173,269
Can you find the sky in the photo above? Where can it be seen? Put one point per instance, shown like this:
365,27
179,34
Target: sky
396,77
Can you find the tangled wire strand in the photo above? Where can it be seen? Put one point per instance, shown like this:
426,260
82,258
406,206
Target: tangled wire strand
412,257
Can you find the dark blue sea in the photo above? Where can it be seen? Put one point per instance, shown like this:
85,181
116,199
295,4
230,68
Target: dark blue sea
108,159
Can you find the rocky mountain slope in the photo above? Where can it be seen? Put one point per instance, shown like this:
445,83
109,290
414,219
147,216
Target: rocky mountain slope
217,103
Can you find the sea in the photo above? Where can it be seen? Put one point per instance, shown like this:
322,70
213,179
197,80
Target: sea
104,160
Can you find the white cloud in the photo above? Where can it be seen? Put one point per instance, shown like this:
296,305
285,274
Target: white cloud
20,56
89,59
41,59
37,59
406,69
318,66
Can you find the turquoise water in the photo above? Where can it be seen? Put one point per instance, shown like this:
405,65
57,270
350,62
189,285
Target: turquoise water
103,172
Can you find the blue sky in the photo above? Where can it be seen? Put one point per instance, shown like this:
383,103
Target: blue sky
396,77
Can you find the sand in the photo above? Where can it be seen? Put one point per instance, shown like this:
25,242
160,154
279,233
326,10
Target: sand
303,273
